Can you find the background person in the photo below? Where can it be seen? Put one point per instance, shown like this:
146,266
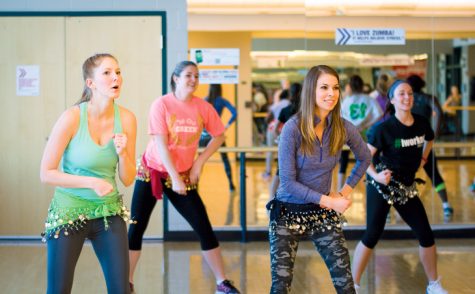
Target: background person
272,124
169,165
362,111
381,93
428,106
260,104
451,121
216,99
399,146
286,113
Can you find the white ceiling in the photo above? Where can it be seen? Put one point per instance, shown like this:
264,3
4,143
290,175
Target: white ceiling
422,19
424,8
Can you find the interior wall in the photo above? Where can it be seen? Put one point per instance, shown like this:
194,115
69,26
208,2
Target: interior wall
242,94
176,22
176,41
27,120
293,25
61,44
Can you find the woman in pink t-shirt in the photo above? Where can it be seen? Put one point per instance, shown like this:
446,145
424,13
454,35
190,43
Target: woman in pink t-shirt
169,166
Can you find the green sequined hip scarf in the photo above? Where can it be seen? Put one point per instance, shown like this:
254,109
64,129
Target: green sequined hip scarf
68,213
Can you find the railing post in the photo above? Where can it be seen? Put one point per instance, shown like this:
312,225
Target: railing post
242,193
458,131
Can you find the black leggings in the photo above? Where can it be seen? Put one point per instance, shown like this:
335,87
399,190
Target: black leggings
109,245
412,212
344,158
432,170
191,207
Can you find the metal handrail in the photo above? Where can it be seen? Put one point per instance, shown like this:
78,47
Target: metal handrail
242,172
469,108
450,145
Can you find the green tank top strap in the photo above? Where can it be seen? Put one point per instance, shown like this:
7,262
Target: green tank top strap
117,120
83,127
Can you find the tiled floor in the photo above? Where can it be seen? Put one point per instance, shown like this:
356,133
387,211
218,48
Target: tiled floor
173,267
178,268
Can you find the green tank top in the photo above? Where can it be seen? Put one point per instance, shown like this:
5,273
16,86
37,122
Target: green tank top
72,207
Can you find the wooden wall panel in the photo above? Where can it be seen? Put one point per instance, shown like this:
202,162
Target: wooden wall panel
59,45
27,120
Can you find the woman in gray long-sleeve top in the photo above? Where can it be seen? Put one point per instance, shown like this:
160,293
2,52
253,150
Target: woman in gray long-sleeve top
309,149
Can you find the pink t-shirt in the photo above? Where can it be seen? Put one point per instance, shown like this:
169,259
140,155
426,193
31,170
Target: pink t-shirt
182,122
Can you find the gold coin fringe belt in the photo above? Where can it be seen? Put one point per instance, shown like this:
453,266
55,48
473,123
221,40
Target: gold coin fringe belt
395,191
186,179
72,220
143,174
303,217
66,225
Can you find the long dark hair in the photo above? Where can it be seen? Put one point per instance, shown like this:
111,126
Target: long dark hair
416,83
307,110
214,92
356,84
88,72
382,85
295,91
177,71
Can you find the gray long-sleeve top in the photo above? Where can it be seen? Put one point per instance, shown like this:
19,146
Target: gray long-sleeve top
304,179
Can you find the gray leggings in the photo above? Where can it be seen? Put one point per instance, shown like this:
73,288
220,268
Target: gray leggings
330,244
109,245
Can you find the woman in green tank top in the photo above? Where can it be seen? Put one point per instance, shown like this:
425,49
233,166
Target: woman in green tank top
89,143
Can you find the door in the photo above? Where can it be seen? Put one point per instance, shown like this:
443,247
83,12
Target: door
58,46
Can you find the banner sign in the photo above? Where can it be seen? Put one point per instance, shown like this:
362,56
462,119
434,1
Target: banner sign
215,56
383,36
219,76
389,60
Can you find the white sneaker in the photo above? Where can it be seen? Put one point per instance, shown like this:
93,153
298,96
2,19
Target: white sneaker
435,287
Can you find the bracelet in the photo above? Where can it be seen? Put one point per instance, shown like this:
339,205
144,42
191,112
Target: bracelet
341,194
424,159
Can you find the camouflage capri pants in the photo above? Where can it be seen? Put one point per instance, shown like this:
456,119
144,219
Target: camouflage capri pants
330,244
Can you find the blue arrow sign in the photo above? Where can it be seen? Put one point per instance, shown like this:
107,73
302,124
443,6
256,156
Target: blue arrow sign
342,36
370,36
